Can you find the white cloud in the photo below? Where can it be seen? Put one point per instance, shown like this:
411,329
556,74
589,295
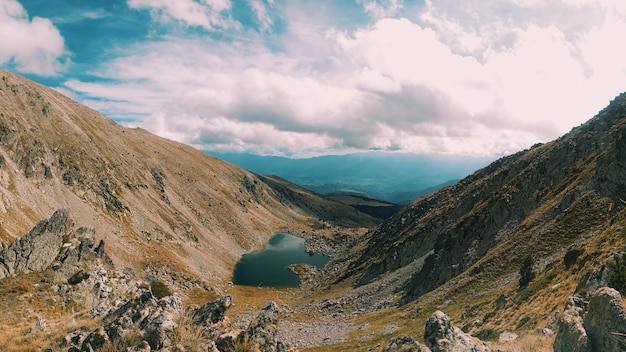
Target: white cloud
209,14
265,20
483,77
32,46
382,8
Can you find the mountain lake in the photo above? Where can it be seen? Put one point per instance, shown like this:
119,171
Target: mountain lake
268,268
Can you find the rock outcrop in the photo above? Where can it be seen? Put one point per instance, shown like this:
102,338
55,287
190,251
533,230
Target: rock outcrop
155,322
596,325
605,320
441,336
262,331
38,248
54,244
560,189
405,344
260,335
159,326
212,312
571,335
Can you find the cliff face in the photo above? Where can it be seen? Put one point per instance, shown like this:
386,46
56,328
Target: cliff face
154,201
536,202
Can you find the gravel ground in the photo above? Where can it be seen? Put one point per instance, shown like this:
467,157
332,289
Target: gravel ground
304,335
330,320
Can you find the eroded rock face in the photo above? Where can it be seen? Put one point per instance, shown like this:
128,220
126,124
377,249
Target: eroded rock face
155,321
212,312
571,335
605,320
441,336
262,331
597,325
260,335
38,248
158,327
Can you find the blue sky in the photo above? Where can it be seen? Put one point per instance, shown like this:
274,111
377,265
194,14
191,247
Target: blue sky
301,78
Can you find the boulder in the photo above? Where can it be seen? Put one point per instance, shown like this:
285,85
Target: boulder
405,344
441,336
261,333
571,335
230,341
158,328
212,312
143,346
605,320
38,248
40,326
596,325
78,277
75,338
95,340
544,331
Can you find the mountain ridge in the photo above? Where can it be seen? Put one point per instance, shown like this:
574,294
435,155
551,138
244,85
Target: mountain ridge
501,199
141,192
171,214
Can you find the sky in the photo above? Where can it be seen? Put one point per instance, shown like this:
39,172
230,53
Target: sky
301,78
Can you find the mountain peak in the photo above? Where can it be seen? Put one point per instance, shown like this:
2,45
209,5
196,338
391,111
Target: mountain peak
562,190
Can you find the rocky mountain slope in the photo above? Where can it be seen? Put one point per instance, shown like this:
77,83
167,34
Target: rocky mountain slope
154,202
92,214
536,201
95,218
562,204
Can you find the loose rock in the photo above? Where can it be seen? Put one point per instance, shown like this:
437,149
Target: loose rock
441,336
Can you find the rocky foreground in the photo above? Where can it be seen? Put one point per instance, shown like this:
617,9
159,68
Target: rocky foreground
129,314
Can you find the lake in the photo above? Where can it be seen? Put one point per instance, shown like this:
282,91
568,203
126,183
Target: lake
269,267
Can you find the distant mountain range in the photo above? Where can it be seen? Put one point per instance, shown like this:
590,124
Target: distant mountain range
396,178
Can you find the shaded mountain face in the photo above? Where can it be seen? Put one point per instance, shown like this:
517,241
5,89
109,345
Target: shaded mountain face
535,202
156,203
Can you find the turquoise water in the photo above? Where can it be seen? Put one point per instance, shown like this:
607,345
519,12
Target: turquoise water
269,267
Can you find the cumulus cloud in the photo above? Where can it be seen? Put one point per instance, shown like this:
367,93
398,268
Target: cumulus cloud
482,77
31,46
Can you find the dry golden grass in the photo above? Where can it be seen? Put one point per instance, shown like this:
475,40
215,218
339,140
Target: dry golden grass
248,299
473,300
187,335
198,296
525,343
26,299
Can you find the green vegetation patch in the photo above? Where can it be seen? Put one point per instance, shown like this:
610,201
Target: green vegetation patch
159,289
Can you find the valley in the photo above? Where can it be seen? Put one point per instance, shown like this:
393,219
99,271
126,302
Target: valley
113,238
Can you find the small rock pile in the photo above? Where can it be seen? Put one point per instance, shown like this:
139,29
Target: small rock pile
155,322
